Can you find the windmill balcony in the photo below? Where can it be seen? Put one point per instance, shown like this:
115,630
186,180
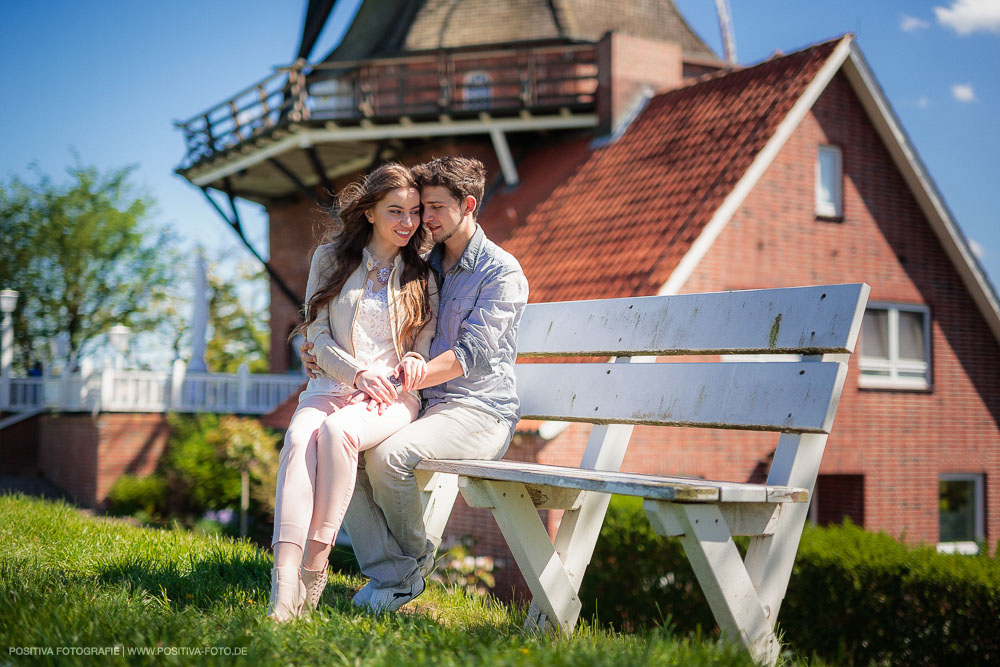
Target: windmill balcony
323,119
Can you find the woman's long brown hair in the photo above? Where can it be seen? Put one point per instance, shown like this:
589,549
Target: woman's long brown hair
351,231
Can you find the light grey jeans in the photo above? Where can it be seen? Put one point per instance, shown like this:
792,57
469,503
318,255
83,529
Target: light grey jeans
385,519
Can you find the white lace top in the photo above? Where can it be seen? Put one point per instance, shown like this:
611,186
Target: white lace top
373,346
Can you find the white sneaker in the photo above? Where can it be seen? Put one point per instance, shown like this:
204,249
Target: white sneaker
391,599
362,597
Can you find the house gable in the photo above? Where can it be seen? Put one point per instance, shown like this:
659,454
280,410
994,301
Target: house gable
896,442
849,61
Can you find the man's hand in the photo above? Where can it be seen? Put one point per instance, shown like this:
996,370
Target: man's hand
412,371
308,361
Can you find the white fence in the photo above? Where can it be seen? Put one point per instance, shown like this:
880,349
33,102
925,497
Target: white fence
111,390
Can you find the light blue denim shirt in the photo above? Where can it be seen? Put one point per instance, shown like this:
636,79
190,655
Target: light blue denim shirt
482,300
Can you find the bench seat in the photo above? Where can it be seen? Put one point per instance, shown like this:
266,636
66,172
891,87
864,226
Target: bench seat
654,487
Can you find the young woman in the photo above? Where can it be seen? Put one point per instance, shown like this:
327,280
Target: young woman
371,306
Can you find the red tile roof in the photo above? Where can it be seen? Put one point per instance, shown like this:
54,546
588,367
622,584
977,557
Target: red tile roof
541,171
621,222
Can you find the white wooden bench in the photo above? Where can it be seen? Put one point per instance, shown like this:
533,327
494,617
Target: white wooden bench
797,399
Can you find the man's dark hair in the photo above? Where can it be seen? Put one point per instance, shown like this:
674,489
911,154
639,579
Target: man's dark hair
463,176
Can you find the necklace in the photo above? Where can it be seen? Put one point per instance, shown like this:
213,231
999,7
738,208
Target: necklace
382,272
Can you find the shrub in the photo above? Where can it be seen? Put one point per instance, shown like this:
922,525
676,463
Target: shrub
854,596
131,494
197,476
205,457
200,472
866,597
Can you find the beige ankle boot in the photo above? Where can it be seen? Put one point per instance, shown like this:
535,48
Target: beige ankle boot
314,582
287,594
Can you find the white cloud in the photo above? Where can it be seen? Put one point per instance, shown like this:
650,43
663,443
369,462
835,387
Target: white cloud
923,102
963,92
912,23
967,16
977,249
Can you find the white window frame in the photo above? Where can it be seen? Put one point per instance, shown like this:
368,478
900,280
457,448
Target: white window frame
979,497
481,90
824,208
894,365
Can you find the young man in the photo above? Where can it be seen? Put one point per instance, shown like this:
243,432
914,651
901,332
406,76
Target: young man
470,406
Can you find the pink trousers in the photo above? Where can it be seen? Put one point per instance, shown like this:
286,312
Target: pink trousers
319,462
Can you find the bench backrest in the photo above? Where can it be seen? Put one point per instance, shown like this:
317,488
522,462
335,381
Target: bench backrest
792,397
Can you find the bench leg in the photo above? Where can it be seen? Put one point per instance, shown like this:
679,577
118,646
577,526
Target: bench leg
438,492
529,542
770,557
724,580
580,528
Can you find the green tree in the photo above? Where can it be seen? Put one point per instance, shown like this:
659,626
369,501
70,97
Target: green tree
237,327
83,256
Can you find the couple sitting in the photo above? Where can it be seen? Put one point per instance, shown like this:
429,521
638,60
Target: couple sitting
382,323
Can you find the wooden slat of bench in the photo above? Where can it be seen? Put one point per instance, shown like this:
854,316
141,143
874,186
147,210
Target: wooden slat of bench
677,489
797,320
793,397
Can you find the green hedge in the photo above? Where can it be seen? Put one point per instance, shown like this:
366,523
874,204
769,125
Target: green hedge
867,597
854,597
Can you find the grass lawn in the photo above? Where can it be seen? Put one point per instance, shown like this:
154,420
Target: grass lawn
73,586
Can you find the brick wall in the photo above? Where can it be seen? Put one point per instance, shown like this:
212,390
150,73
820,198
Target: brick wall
19,446
84,456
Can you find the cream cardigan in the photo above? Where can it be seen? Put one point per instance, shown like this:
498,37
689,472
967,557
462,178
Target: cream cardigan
332,332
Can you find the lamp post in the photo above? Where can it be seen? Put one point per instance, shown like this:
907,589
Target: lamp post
119,335
8,302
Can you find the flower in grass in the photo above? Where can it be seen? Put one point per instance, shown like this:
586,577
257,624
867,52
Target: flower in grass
223,516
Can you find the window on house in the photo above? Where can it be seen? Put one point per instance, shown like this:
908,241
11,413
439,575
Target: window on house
961,528
895,347
476,90
829,177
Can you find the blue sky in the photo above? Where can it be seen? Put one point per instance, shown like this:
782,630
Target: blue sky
108,78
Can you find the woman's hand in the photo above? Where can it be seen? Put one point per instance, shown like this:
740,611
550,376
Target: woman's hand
377,386
412,371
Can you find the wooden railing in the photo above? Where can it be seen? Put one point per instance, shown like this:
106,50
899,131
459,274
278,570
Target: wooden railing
456,83
110,390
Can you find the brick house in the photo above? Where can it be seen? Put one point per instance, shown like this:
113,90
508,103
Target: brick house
627,160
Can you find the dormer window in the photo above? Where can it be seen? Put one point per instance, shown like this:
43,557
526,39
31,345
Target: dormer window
477,89
829,177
